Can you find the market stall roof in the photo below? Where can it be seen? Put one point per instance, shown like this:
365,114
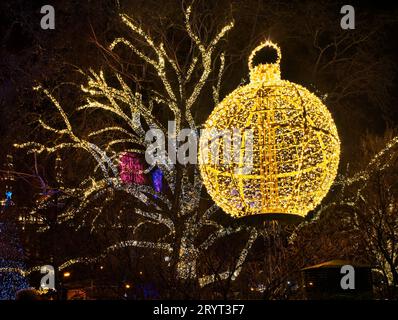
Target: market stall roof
336,264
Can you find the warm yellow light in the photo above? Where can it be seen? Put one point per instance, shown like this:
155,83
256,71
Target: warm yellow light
127,286
296,146
66,274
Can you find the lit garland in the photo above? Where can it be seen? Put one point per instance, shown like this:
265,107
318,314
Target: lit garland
90,260
374,164
296,147
233,274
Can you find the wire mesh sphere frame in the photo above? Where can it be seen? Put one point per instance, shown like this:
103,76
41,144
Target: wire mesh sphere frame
295,147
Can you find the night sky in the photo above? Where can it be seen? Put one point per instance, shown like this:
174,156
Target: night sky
354,71
30,55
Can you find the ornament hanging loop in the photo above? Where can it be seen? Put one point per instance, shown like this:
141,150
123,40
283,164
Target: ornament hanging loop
263,45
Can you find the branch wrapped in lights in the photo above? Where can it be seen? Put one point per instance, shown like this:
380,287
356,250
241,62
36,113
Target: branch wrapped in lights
173,202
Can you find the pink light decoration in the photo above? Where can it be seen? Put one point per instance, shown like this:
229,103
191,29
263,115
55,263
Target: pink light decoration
131,169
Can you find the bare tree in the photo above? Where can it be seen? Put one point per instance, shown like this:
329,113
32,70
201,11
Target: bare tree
180,84
359,224
180,67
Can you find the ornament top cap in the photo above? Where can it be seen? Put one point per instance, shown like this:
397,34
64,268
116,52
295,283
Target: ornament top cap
265,71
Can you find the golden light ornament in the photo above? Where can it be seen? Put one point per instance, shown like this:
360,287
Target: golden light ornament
295,150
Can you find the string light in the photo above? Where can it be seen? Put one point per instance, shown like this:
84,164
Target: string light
180,94
11,262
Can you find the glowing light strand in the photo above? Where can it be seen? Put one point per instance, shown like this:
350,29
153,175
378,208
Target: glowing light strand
104,97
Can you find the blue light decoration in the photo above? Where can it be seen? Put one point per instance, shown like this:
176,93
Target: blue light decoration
11,258
8,195
7,201
157,180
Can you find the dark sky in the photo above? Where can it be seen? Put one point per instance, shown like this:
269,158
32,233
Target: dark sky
29,55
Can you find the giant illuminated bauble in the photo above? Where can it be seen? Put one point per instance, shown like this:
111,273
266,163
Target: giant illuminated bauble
295,146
